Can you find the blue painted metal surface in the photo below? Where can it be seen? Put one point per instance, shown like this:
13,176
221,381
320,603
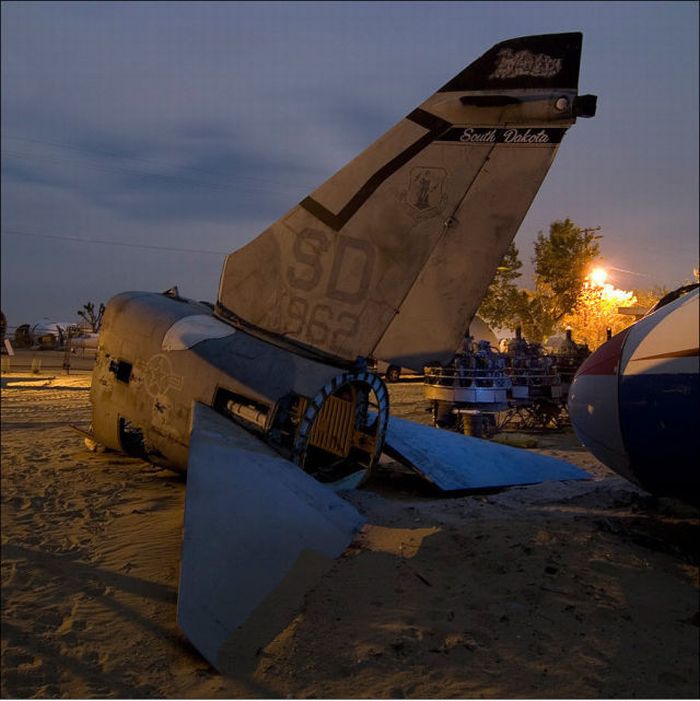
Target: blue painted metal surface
256,528
660,420
452,461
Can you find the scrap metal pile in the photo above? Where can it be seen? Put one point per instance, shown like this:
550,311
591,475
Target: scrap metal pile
481,390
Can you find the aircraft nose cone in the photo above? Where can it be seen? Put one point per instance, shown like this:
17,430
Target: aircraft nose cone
594,406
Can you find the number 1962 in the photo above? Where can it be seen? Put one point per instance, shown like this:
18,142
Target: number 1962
319,325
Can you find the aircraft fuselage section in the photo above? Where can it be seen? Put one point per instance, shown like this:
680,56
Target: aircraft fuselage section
634,402
158,354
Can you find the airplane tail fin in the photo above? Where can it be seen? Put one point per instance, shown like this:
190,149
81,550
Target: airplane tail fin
393,254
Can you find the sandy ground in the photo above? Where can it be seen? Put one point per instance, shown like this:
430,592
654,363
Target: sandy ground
579,589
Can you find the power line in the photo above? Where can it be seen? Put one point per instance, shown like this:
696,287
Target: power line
629,272
15,232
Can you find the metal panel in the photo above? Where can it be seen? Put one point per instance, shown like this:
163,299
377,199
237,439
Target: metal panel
462,263
334,427
258,533
191,330
452,461
665,342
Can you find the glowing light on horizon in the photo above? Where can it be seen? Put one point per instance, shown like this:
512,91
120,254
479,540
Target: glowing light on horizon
598,276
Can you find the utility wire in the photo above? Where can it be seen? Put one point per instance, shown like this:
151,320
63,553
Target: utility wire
629,272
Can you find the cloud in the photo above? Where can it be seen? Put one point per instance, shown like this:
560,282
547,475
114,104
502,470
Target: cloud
195,125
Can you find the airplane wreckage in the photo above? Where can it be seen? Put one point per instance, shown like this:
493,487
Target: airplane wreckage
266,399
635,402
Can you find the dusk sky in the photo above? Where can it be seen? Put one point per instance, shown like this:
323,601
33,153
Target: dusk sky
165,135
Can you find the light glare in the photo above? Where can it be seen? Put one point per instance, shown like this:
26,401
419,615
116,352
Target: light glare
598,276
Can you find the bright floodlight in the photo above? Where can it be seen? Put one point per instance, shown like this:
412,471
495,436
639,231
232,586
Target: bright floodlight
598,276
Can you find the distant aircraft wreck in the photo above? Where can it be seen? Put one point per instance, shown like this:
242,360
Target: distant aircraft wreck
266,400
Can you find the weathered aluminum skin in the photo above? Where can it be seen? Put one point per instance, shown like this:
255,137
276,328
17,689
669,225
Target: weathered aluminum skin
406,237
163,383
454,462
258,533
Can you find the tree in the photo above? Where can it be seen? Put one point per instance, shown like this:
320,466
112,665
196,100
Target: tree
562,260
533,316
596,311
94,319
499,306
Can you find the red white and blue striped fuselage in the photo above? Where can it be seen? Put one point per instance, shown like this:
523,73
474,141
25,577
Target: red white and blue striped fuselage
635,402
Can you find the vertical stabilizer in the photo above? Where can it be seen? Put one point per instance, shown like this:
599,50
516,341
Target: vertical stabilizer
392,255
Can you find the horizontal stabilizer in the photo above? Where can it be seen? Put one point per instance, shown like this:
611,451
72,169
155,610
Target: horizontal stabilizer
452,461
258,533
